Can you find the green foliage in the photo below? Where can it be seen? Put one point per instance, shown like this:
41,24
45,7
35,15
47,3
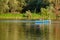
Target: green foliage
16,6
3,6
28,14
21,4
48,13
13,6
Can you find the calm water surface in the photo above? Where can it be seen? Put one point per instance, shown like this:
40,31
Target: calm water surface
16,30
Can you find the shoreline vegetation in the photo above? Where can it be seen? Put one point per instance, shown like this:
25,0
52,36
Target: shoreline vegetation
29,9
45,14
34,16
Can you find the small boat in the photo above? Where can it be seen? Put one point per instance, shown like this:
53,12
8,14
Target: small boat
42,22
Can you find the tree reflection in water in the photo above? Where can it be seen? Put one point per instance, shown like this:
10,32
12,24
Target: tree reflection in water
22,31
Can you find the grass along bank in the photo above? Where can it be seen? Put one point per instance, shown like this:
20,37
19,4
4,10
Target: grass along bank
25,16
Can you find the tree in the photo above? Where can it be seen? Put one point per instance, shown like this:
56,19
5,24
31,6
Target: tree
13,4
21,4
48,12
3,6
35,5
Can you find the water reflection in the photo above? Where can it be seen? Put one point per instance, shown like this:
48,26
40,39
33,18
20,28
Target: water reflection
28,31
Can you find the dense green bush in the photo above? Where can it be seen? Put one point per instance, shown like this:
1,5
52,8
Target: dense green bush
28,14
47,13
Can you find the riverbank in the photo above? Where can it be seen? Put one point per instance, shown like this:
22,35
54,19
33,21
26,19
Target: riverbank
23,16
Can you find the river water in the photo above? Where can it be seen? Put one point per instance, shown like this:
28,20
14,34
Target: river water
17,30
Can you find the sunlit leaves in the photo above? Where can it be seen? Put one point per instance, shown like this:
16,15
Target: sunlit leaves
48,12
